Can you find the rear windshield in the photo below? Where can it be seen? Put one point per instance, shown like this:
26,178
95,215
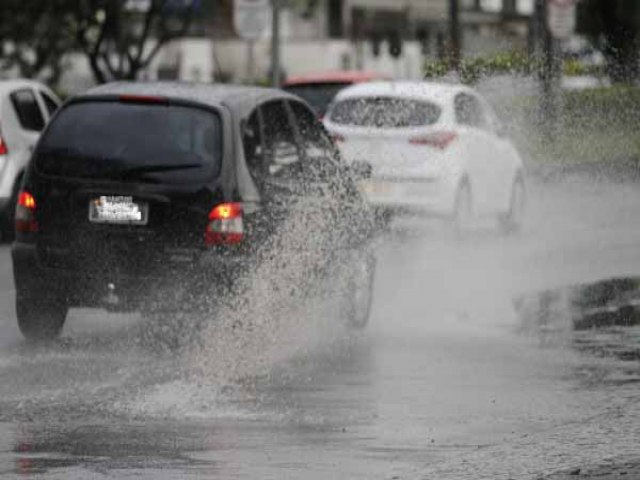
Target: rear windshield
136,142
384,112
318,95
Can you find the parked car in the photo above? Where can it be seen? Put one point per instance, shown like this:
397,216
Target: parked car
434,148
140,195
25,108
319,89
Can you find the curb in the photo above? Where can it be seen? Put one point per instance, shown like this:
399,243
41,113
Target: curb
622,169
610,471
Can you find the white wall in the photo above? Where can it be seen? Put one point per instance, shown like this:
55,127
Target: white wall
77,75
194,58
301,57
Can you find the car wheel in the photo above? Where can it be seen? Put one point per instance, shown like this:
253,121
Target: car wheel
40,320
360,292
511,222
463,208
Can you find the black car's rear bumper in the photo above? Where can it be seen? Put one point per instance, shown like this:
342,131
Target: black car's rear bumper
179,285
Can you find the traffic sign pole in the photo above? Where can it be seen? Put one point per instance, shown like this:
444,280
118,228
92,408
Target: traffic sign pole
250,20
275,44
561,18
549,72
251,71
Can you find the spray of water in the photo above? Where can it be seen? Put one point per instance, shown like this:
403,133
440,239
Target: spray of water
293,299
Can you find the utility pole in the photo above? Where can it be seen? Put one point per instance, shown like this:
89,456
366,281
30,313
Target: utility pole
454,35
251,55
275,44
508,8
549,67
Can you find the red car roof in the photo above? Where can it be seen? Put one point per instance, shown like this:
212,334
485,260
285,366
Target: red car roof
339,76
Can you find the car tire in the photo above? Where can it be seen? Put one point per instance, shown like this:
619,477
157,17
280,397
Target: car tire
463,208
511,222
360,292
40,320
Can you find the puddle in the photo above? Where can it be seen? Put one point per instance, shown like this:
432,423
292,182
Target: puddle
600,321
609,303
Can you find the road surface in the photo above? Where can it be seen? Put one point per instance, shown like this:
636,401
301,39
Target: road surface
461,373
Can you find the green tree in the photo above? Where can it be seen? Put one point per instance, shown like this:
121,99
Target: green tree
614,26
121,38
35,36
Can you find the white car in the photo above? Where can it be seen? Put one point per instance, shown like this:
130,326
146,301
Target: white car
433,148
25,108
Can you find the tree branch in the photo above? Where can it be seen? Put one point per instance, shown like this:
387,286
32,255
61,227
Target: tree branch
167,36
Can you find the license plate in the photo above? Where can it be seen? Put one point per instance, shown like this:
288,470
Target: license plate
118,209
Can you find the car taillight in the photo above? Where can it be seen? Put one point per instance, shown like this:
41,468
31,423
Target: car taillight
25,217
144,99
440,140
3,147
225,226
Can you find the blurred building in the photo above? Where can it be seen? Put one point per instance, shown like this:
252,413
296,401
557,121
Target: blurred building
391,37
388,36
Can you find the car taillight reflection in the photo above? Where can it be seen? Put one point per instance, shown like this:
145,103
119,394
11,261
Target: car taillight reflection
25,216
3,147
439,140
226,226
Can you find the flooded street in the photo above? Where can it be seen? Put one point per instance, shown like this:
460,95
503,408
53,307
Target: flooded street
485,357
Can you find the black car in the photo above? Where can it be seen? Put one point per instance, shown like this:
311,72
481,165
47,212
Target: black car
165,195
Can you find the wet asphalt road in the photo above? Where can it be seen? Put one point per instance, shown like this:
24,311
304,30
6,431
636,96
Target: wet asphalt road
464,372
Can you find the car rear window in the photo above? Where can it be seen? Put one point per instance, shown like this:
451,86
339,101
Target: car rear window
384,112
318,95
137,142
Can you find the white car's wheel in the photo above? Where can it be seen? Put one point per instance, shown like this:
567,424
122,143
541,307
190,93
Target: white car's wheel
360,292
463,207
512,221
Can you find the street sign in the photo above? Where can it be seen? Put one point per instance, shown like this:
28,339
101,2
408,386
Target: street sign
251,18
561,18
